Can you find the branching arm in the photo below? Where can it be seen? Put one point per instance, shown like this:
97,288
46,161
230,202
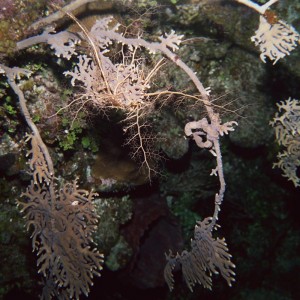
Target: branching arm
259,8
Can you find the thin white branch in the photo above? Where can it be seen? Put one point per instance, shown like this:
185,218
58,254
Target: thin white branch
59,14
11,74
259,8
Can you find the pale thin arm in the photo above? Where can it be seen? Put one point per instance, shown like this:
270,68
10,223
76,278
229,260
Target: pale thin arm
59,14
259,8
11,81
